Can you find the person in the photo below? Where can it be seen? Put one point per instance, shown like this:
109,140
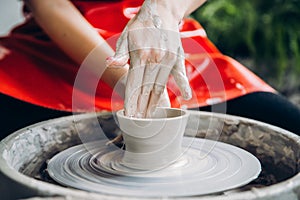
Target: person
64,53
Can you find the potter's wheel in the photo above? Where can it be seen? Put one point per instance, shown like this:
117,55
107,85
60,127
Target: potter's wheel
200,170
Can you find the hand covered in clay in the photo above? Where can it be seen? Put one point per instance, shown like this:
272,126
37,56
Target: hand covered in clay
152,42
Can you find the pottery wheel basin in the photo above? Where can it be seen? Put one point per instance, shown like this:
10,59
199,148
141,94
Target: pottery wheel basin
24,155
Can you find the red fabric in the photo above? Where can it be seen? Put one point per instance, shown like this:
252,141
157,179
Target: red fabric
35,70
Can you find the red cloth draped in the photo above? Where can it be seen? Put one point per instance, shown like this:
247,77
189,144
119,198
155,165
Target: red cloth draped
35,70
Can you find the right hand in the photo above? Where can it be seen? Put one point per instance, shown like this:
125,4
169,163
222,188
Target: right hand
153,43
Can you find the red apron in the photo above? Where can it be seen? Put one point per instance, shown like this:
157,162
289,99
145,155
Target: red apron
35,70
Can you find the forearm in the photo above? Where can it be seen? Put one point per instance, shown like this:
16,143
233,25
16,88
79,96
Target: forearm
179,8
192,5
65,25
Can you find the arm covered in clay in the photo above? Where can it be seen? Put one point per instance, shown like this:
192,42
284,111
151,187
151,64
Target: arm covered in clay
65,25
152,42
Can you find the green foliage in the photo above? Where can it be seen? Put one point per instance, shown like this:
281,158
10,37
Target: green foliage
267,31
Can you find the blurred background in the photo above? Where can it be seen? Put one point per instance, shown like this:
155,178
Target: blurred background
264,35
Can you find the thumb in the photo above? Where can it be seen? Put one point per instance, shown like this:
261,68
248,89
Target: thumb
121,56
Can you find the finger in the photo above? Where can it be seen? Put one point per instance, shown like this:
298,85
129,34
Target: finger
121,56
149,77
165,68
159,85
156,94
133,86
152,57
179,74
164,100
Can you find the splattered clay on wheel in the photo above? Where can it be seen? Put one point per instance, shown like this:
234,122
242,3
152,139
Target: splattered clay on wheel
204,167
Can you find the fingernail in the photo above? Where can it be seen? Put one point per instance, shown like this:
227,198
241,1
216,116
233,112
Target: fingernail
109,58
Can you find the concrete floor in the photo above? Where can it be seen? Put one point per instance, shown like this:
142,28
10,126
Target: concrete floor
10,15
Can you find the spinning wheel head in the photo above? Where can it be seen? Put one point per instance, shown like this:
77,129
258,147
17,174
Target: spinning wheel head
197,171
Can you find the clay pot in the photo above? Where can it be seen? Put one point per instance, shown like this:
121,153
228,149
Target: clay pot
153,143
